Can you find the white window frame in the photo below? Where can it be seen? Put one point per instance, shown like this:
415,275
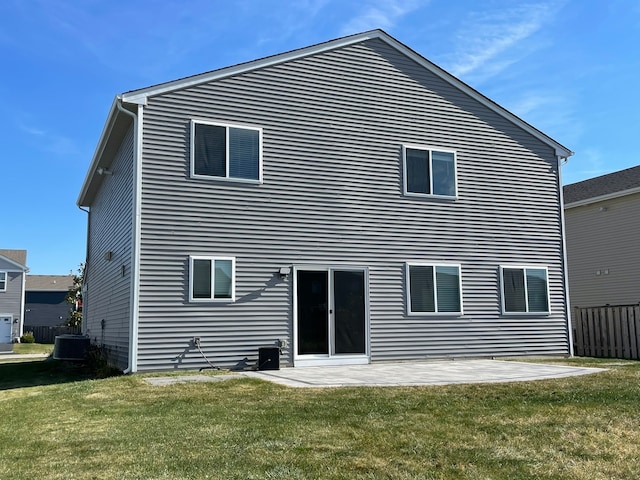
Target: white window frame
3,288
435,285
212,258
429,149
524,268
226,126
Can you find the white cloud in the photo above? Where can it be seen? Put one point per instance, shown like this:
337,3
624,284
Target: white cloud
379,14
49,142
588,163
490,42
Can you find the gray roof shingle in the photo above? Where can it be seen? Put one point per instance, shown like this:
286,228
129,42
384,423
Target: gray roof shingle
603,185
18,256
49,282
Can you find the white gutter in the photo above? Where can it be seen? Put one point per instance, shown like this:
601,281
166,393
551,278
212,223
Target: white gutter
135,240
565,263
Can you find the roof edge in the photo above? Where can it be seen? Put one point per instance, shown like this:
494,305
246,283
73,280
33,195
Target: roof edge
560,150
18,265
97,154
140,96
601,198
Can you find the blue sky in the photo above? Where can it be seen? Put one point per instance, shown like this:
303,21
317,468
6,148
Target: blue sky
569,67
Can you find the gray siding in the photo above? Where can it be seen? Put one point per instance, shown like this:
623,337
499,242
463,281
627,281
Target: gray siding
11,299
334,124
108,282
604,237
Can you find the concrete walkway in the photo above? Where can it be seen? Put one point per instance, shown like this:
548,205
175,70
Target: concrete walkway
419,373
18,356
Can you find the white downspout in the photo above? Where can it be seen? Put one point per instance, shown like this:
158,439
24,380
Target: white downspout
135,250
22,303
565,263
83,287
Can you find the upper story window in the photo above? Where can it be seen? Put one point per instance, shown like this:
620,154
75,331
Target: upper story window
429,171
434,289
212,279
3,281
524,290
226,151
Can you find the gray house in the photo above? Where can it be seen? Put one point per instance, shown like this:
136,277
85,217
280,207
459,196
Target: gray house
350,202
45,303
603,239
12,281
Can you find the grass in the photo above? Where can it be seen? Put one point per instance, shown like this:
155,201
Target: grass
24,348
121,427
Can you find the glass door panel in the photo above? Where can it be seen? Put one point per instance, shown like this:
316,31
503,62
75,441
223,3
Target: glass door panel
313,316
349,312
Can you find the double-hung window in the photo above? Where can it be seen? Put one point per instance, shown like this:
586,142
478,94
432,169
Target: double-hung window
226,152
3,281
212,279
524,290
429,171
434,289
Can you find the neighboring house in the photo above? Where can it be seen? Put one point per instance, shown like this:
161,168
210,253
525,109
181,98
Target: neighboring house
603,239
13,271
349,202
46,303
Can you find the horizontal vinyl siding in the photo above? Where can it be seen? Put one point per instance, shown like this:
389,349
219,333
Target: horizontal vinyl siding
11,298
604,236
108,290
333,127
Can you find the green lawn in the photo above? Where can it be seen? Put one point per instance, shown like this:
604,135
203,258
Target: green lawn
65,426
23,348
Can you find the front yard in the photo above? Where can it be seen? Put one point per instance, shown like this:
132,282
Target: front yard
65,426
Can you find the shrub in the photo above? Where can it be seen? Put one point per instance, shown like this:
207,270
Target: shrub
97,360
28,338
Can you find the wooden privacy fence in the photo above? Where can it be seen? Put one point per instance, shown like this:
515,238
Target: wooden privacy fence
44,334
609,332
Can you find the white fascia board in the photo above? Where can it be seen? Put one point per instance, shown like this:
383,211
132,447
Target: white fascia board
560,150
18,266
104,136
140,96
601,198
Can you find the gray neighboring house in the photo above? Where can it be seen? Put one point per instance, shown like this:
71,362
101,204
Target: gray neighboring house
13,271
603,239
45,303
350,202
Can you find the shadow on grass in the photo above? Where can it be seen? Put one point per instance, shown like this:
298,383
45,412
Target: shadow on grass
42,372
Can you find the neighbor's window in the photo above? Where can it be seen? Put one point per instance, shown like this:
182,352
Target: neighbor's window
227,152
3,281
429,171
434,289
524,290
212,279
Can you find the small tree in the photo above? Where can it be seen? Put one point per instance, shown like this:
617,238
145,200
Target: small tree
74,297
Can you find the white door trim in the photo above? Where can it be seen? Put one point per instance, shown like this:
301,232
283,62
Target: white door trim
331,358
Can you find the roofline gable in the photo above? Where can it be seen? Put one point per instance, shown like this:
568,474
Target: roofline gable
19,266
140,96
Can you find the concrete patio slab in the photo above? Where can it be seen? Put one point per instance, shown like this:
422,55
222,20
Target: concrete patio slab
419,373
